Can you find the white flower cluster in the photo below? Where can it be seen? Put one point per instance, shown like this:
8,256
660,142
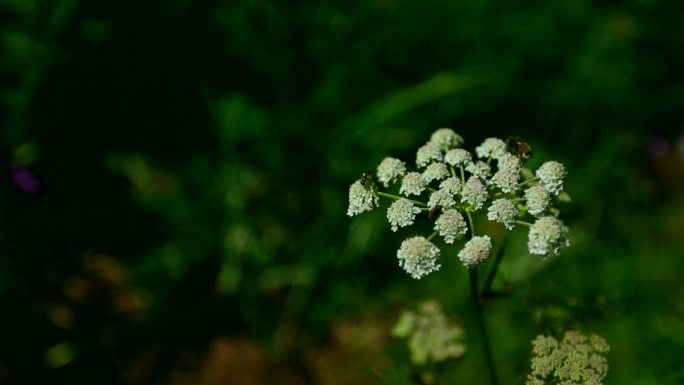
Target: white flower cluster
389,170
402,213
476,251
576,359
451,184
418,257
361,198
451,225
547,235
431,336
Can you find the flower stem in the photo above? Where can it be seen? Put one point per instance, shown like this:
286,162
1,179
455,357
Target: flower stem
396,198
494,269
470,221
481,327
531,180
528,224
432,236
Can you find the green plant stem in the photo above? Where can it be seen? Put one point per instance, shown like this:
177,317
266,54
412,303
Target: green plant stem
481,327
531,180
396,198
479,315
494,269
528,224
470,221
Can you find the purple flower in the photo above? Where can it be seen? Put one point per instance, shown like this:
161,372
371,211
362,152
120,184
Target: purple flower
25,180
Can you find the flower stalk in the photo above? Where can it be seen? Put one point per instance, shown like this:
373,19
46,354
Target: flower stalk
482,327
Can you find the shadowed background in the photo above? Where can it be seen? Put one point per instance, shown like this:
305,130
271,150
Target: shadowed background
174,186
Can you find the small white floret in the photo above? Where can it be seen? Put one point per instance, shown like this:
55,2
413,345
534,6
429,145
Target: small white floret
412,184
390,170
446,138
476,251
451,225
361,198
546,237
551,175
491,148
458,157
538,200
402,213
503,211
435,171
474,193
418,257
427,154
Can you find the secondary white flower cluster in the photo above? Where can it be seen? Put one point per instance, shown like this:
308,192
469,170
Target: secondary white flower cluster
576,359
451,184
431,336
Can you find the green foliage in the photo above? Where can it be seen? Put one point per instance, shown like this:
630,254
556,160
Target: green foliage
196,156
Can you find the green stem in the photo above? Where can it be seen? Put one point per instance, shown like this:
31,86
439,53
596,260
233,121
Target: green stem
453,172
482,327
432,236
531,180
494,269
462,174
396,198
470,221
528,224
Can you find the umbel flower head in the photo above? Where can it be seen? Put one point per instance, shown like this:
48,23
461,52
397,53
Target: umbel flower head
546,236
476,251
446,138
362,197
504,211
443,197
412,184
402,213
491,148
508,175
458,157
431,336
538,199
551,175
474,193
427,154
435,171
418,257
451,225
450,184
575,360
389,170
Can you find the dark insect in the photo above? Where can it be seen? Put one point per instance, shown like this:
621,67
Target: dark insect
367,180
519,148
435,211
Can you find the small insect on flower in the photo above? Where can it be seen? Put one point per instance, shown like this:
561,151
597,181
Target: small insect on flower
367,180
363,195
434,212
519,148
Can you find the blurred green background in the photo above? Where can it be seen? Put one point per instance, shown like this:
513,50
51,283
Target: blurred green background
175,175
